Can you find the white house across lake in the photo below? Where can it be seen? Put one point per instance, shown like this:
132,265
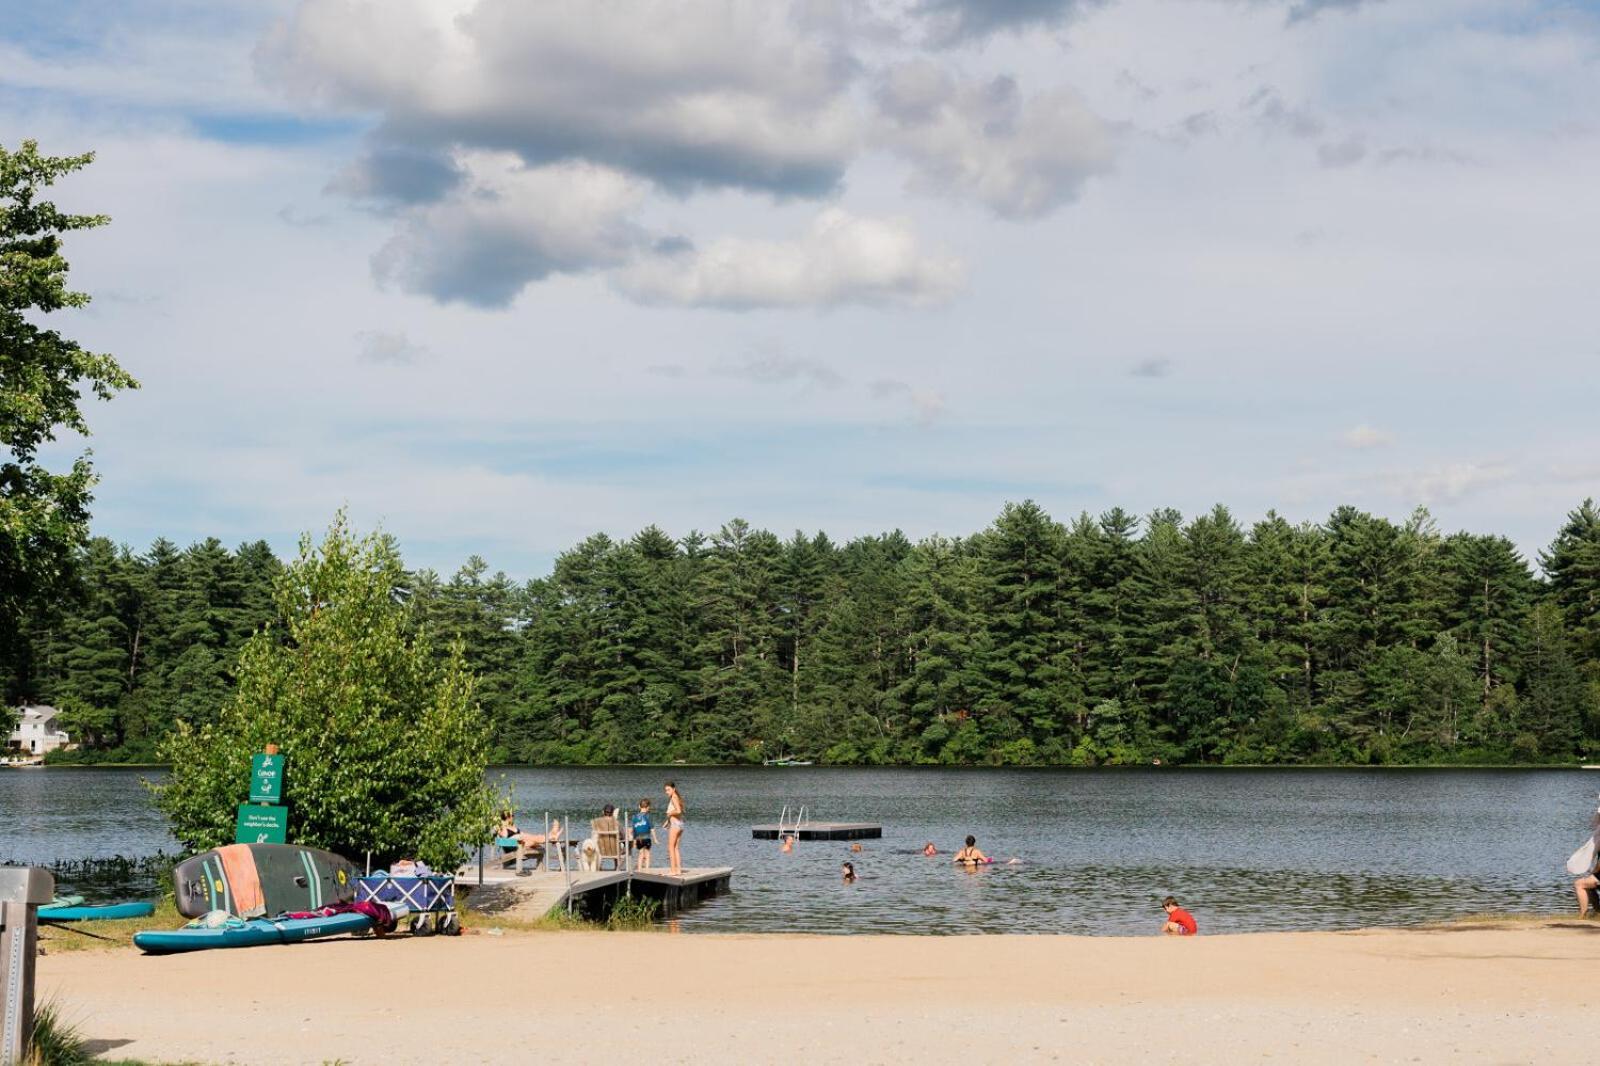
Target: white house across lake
36,732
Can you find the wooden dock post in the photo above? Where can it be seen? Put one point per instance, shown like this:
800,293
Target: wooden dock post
22,889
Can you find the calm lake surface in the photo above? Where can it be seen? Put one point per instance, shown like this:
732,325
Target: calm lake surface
1245,849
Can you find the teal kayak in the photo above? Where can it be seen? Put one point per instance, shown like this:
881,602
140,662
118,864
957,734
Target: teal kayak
248,934
95,912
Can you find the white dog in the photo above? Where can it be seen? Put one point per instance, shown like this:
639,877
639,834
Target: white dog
589,854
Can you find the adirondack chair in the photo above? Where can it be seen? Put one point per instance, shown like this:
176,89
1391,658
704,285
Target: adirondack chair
607,836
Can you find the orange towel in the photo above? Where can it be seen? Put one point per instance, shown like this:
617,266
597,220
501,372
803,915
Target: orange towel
244,881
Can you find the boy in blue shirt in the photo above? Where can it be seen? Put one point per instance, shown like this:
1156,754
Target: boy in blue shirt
644,834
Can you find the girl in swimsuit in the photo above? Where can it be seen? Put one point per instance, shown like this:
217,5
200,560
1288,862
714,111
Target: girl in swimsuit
970,855
507,831
674,828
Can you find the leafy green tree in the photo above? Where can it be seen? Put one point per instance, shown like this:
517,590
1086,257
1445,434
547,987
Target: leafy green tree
943,645
1020,562
1572,563
1491,591
44,515
386,744
1557,705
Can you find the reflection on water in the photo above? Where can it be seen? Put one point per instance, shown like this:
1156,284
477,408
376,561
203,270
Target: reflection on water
1244,849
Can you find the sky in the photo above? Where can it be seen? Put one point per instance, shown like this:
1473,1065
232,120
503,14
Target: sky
494,275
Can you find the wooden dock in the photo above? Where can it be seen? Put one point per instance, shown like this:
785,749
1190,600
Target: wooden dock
680,890
541,892
820,831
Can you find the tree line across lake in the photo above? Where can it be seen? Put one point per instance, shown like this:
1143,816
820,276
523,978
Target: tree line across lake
1106,640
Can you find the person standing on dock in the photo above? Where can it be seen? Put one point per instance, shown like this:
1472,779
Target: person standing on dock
674,828
644,834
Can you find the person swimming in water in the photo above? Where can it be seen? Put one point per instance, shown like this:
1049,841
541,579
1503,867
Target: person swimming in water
970,855
848,871
929,850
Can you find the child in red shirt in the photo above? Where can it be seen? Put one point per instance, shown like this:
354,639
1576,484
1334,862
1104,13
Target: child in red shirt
1179,921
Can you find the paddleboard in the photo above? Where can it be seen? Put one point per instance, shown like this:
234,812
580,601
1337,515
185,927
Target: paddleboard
254,880
95,912
253,933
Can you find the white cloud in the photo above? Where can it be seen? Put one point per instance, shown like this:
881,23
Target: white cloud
684,93
773,367
389,348
841,259
927,405
508,226
1448,482
1364,436
1020,156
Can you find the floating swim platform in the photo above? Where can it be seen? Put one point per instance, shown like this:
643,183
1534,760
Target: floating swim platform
100,912
819,831
256,932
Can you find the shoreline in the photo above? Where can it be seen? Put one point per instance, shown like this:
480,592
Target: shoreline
1492,990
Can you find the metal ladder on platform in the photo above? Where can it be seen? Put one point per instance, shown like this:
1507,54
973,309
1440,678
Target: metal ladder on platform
799,820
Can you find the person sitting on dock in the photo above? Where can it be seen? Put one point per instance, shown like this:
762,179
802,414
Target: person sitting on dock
970,855
1179,921
507,831
529,841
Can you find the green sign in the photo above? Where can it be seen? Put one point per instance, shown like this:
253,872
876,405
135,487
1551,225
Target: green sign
266,778
261,825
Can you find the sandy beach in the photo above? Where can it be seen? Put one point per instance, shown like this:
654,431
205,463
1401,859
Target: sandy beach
1519,992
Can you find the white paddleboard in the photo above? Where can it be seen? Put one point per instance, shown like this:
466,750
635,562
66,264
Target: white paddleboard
1582,860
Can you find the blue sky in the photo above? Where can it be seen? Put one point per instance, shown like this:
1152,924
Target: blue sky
497,275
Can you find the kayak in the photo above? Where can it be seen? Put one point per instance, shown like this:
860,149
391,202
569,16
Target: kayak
64,912
249,933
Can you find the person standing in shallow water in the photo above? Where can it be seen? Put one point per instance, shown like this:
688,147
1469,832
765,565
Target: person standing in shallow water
674,828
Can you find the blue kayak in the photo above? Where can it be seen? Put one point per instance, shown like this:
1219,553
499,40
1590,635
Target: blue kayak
95,912
248,934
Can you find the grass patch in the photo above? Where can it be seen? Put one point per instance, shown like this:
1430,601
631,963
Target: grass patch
633,912
56,1042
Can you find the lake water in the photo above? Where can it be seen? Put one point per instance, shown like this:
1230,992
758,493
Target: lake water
1245,849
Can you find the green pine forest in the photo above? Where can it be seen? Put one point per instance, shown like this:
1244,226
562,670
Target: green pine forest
1105,640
